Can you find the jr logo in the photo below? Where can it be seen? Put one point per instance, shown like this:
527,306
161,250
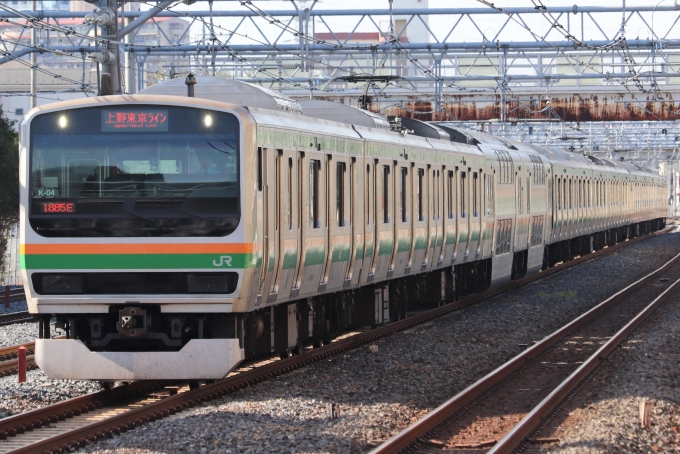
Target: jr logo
224,260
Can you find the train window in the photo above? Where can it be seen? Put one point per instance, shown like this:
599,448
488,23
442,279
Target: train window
519,196
570,195
449,192
463,194
475,208
489,195
435,195
368,185
528,195
421,175
259,168
289,208
341,170
437,191
506,168
385,194
352,190
559,194
314,171
402,196
278,201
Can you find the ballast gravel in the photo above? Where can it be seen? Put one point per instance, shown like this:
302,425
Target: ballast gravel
38,391
14,306
18,333
384,387
644,368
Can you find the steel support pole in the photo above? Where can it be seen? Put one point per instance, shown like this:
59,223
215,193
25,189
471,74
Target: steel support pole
130,67
34,62
110,31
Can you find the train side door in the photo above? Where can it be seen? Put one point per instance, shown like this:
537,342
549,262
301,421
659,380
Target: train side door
270,165
339,223
401,254
450,213
289,249
356,207
314,227
475,215
384,190
431,216
463,214
438,216
487,213
419,191
369,220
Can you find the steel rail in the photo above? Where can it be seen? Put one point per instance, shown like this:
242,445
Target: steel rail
439,415
7,353
16,317
9,362
128,420
525,427
34,419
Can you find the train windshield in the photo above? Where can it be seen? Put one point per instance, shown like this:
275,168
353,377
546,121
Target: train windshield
134,171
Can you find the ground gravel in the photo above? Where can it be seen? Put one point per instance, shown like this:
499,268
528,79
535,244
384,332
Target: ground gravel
38,391
645,368
14,306
384,387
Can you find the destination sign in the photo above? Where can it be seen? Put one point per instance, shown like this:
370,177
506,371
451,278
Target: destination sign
148,120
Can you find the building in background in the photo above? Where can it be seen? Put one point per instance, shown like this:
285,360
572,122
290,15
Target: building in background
64,75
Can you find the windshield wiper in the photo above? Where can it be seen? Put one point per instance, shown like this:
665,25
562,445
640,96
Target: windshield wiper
129,206
134,214
192,214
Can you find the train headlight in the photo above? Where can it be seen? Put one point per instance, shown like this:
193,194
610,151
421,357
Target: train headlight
63,122
208,121
58,284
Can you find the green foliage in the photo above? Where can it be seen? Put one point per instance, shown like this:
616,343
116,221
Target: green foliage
9,181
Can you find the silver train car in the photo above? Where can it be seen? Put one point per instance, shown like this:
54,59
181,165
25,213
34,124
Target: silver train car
172,237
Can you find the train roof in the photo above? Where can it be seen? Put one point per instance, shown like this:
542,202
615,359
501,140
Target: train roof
342,113
228,91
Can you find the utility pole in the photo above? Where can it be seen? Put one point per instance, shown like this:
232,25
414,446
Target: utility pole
34,62
130,63
111,63
107,19
108,56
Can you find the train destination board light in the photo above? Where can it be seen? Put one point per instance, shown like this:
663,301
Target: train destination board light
149,120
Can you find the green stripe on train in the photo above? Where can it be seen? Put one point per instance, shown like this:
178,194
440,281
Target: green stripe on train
340,253
315,255
385,246
134,261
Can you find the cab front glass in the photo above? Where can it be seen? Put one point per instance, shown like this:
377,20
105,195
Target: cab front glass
134,171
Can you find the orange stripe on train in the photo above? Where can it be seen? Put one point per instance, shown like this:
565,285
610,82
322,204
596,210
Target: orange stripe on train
146,248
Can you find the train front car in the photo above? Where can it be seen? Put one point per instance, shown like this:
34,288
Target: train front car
133,236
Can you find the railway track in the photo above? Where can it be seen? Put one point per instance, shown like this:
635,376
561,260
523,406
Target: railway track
9,363
73,423
16,317
501,411
16,294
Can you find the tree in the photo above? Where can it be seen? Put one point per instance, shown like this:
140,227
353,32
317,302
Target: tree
9,181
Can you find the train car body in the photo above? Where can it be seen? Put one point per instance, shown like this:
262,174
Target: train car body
172,237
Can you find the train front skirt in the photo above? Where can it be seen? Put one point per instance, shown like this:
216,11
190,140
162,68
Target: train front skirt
199,359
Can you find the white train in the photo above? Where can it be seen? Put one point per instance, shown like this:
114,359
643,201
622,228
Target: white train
172,237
